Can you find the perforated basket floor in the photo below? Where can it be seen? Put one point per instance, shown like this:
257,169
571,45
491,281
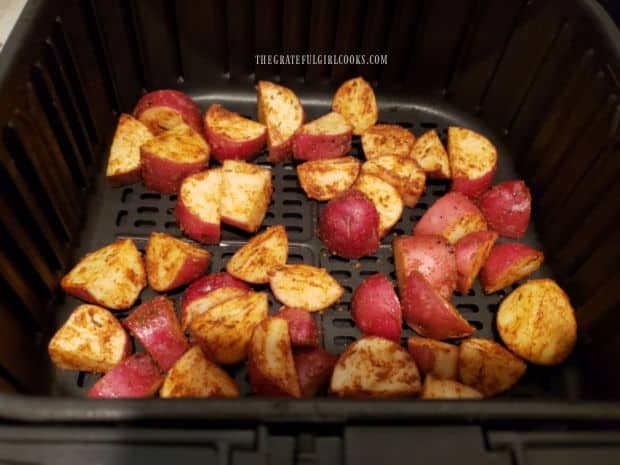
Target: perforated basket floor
135,212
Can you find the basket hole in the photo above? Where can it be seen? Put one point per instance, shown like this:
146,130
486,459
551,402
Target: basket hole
150,196
120,217
428,125
369,260
127,195
343,323
294,229
170,211
170,224
297,216
173,197
80,379
296,258
343,341
341,274
468,308
270,215
290,177
293,190
148,209
493,307
295,203
144,223
367,273
476,324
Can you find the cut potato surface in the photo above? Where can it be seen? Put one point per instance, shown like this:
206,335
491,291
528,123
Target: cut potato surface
488,367
375,367
124,162
304,286
112,276
402,173
92,340
537,322
180,144
198,206
165,109
473,161
194,375
325,179
253,261
326,137
435,388
385,197
171,262
431,155
202,304
508,263
387,139
355,100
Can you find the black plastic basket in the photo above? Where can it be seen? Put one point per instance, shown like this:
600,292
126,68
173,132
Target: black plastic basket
539,77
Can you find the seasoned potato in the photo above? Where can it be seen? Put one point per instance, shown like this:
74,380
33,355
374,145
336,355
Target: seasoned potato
434,357
436,388
165,109
355,100
326,137
91,340
507,207
198,206
471,253
402,173
431,155
252,262
387,139
488,367
325,179
314,369
304,286
473,161
137,376
385,197
112,276
537,322
124,162
301,326
507,264
375,308
375,367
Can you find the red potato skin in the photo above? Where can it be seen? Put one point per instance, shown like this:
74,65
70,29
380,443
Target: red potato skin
301,327
210,283
124,179
137,376
194,227
432,256
445,212
280,153
473,187
314,369
155,325
471,252
507,207
226,148
349,224
428,314
191,269
375,308
423,357
502,259
165,176
320,147
174,100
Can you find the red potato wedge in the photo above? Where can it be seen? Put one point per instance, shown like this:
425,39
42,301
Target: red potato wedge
402,173
374,367
537,322
431,155
112,276
473,161
428,314
194,375
171,262
198,206
507,207
304,286
246,193
432,357
171,156
387,139
507,264
231,136
431,256
355,100
155,325
224,332
375,308
436,388
302,328
471,253
271,367
325,179
280,110
314,369
207,292
451,216
137,376
349,225
326,137
488,367
91,340
252,262
124,162
165,109
385,198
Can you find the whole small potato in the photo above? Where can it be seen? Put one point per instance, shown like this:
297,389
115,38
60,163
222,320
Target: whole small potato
507,207
349,225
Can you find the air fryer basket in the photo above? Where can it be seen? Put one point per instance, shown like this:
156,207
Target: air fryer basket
538,77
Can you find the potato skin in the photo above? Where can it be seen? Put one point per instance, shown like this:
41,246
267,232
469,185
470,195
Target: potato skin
507,207
471,252
432,256
452,216
473,187
428,314
331,139
137,376
537,322
173,100
314,368
193,226
473,161
434,357
508,263
375,308
302,328
197,209
349,225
